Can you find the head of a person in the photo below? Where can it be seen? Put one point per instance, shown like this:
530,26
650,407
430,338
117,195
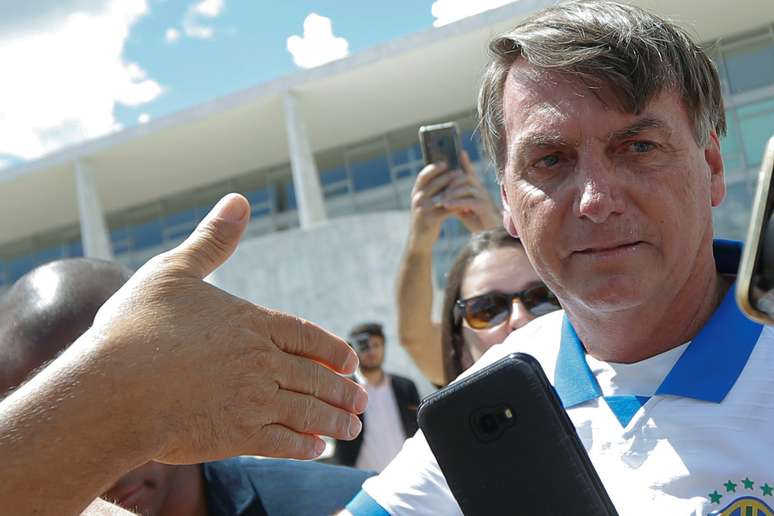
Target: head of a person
603,122
44,312
491,290
367,339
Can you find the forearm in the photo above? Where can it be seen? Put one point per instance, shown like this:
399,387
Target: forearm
417,332
63,438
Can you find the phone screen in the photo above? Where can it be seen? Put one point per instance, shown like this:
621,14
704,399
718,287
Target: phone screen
755,282
440,143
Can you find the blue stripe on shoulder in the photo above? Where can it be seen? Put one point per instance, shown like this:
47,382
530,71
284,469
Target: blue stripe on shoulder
364,505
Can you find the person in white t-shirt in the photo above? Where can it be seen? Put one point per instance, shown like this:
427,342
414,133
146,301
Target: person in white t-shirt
391,416
604,121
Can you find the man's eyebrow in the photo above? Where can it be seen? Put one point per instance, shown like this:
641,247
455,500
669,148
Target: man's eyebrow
638,127
540,140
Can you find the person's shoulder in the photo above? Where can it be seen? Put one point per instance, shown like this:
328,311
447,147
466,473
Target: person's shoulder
539,338
293,469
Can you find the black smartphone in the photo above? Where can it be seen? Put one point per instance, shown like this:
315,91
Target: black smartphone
755,280
506,445
441,142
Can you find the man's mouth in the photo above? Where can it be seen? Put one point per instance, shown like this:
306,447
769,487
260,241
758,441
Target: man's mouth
608,249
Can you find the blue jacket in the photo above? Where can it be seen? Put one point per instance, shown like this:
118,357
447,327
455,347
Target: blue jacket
247,486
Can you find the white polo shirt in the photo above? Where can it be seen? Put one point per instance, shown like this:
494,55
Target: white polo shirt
690,431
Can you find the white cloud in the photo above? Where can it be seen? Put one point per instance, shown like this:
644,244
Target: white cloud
192,21
171,35
143,118
62,81
209,8
449,11
318,44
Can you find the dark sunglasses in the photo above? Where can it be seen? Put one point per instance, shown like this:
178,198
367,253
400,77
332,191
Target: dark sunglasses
492,308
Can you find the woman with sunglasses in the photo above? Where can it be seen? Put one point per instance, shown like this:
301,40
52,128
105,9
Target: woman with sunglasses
492,290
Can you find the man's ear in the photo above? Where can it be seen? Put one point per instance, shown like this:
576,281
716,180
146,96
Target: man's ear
507,219
714,159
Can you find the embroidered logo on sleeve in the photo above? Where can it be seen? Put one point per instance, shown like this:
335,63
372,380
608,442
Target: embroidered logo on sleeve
743,498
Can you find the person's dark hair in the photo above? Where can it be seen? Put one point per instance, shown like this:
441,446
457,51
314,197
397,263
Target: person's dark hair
371,328
48,308
605,44
451,335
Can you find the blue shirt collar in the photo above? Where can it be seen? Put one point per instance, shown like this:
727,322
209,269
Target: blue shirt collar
706,370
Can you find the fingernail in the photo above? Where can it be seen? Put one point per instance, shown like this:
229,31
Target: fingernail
361,401
232,208
319,447
354,426
351,364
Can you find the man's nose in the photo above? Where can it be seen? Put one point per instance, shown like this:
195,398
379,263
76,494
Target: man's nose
519,315
599,189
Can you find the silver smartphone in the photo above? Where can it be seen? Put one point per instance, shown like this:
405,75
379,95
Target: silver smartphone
755,280
441,142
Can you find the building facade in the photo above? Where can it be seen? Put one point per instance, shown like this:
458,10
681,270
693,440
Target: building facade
336,147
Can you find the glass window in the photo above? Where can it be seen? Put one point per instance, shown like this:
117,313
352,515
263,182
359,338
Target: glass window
20,266
370,173
334,181
290,193
75,248
333,175
259,196
185,217
732,216
750,66
731,144
406,155
285,195
147,234
756,124
49,255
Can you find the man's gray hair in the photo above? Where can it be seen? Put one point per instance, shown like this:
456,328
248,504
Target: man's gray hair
605,44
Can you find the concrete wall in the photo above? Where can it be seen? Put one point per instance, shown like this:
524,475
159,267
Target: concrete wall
336,274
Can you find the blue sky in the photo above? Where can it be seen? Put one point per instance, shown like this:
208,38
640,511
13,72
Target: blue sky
79,69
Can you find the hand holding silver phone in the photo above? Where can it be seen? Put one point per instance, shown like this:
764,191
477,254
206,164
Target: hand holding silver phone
755,280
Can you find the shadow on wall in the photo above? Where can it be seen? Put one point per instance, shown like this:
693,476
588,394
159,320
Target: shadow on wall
337,274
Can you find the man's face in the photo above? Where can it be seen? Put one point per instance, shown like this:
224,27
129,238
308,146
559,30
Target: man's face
372,357
613,208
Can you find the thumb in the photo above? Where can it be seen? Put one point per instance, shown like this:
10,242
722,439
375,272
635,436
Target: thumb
214,239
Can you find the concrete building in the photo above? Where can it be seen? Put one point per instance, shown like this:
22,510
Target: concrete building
327,158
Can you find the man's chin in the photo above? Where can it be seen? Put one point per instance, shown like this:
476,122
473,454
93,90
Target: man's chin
614,296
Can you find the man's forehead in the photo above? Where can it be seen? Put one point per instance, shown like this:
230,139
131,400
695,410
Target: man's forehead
537,102
551,92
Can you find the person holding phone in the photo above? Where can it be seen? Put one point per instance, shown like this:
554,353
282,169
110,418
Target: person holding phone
392,405
491,291
603,121
438,194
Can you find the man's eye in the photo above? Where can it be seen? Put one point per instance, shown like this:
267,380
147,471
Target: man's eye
547,161
641,147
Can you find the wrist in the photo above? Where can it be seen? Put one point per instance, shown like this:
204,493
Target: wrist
421,241
118,394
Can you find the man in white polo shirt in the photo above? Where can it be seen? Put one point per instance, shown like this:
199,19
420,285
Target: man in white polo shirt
604,122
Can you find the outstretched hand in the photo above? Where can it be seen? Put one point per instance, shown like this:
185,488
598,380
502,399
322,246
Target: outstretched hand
213,375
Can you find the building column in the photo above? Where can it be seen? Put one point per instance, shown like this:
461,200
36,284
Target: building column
94,234
306,180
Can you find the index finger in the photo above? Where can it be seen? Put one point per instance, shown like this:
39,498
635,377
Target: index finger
429,172
300,337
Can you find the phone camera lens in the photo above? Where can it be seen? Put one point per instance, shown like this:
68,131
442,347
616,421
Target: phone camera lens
488,423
